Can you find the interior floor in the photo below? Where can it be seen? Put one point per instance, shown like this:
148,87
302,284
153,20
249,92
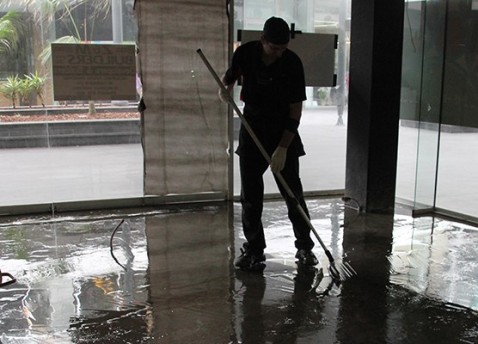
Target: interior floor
167,276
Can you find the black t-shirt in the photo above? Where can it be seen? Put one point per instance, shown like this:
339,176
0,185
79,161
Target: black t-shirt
267,92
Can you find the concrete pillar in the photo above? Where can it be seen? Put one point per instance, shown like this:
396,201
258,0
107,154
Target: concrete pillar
374,102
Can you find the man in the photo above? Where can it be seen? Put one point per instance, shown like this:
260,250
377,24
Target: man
273,89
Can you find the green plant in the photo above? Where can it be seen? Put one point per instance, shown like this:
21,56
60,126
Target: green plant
17,235
64,9
323,94
24,91
47,12
11,88
11,29
36,84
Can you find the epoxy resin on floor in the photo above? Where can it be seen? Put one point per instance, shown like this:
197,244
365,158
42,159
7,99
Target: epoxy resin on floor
167,277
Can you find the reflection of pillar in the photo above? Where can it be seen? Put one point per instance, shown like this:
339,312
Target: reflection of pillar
335,230
340,94
189,263
363,311
117,18
303,18
48,34
251,318
128,284
117,22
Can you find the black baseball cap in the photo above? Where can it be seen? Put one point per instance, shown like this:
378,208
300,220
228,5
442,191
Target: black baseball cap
276,30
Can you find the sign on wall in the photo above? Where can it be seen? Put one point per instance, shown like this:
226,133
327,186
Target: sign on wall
94,71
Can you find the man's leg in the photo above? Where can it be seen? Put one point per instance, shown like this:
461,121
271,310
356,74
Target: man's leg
303,242
252,197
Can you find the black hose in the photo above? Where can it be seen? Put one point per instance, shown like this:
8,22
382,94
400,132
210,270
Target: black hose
111,244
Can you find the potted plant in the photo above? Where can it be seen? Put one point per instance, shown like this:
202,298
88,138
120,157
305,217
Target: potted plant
12,88
36,84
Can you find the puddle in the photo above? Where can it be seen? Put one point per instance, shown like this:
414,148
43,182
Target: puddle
436,258
67,280
167,277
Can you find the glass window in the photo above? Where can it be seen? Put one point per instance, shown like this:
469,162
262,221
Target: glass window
323,125
63,151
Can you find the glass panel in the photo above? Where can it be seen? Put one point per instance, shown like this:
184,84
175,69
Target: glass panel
430,104
421,101
413,38
322,128
439,105
457,188
54,151
64,173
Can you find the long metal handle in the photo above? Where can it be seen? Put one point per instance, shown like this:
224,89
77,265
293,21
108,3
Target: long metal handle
263,152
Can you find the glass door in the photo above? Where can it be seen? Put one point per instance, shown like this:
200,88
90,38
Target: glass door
439,130
420,113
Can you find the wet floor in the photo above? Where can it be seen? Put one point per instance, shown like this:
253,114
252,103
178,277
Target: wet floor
167,276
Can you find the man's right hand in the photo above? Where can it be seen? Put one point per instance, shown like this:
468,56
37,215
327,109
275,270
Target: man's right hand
224,95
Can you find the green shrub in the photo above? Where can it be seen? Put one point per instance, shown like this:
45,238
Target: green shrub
21,89
36,84
11,88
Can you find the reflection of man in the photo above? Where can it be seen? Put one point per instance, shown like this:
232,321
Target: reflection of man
250,296
273,89
303,312
283,317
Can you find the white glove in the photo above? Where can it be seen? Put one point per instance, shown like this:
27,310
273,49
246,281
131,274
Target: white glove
278,159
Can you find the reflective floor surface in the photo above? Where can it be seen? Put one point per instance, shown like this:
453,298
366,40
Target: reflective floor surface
167,276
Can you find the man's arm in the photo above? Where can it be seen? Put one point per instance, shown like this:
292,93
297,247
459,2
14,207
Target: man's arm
295,113
229,87
231,76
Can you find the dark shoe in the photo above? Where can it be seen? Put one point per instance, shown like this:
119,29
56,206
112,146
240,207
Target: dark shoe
306,257
250,261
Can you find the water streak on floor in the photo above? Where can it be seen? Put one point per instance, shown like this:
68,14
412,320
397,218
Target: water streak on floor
167,277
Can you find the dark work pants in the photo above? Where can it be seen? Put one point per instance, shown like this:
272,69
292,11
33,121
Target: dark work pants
252,197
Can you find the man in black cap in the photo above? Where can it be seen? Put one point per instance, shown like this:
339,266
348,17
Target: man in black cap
273,89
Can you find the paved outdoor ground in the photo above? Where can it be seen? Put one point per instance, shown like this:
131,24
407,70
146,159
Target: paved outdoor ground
48,175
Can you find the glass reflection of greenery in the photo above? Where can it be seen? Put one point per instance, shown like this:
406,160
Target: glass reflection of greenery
17,235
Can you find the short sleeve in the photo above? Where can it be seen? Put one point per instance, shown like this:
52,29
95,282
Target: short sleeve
296,85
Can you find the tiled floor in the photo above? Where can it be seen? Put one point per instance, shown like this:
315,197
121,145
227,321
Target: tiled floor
167,276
